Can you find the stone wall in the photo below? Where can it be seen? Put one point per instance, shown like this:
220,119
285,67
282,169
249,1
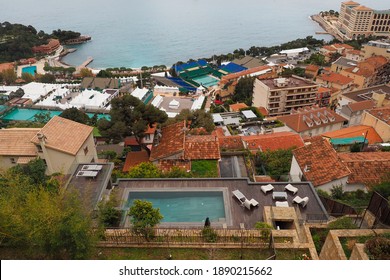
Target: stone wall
358,252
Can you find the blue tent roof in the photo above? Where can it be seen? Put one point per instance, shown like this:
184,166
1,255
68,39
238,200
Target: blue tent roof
233,68
348,141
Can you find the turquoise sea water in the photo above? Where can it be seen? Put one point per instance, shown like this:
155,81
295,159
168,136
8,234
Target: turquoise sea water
134,33
185,206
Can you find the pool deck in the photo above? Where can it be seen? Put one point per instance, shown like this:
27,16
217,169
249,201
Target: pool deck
239,216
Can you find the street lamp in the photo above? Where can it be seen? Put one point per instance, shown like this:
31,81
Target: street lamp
364,141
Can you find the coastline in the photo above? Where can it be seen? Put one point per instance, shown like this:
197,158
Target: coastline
327,27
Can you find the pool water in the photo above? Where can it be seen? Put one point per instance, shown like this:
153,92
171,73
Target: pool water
32,70
206,81
184,206
20,114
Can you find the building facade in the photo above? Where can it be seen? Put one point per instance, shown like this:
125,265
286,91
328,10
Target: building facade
356,21
280,96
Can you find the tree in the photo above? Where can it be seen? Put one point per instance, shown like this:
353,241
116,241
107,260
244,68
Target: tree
144,218
104,74
9,76
244,90
130,116
44,224
76,115
85,72
46,78
276,163
198,119
109,215
27,77
16,94
144,170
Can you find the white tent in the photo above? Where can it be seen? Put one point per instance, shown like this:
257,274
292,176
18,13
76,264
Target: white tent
174,104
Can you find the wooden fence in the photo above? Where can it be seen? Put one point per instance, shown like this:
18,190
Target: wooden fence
379,207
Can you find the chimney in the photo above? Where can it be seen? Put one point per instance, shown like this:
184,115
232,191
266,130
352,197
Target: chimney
41,138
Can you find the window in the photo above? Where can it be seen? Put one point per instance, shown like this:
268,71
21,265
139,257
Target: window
39,148
86,150
13,160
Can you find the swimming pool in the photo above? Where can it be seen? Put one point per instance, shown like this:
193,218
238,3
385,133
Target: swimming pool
32,70
184,206
206,81
22,114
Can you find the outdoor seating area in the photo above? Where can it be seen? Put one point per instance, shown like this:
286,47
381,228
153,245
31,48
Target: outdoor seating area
291,188
281,204
244,201
301,201
267,188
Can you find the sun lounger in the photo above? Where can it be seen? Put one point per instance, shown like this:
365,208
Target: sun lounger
239,196
291,189
244,201
267,188
302,201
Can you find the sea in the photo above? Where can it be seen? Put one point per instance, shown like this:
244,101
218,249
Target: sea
136,33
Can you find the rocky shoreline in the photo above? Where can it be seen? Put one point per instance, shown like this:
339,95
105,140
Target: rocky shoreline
330,29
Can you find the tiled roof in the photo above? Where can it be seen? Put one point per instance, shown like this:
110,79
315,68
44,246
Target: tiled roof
233,142
362,8
135,158
234,76
350,3
354,131
336,78
329,48
319,162
16,142
236,107
171,142
218,131
64,135
381,113
201,147
167,165
368,67
273,141
151,130
6,66
131,141
312,67
362,105
367,168
263,111
317,117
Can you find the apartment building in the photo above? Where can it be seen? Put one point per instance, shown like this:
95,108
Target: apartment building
375,48
279,96
356,21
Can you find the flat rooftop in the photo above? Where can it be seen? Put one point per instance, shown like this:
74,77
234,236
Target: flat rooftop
366,94
90,189
314,211
185,103
290,83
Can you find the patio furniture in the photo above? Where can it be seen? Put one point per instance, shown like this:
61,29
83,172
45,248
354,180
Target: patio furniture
281,204
254,202
302,201
279,195
291,188
267,188
239,196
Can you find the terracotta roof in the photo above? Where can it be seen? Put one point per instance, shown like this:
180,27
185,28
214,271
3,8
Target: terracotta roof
362,105
171,142
350,3
167,165
6,66
335,78
135,158
329,48
201,147
218,131
64,135
263,111
363,8
343,46
354,131
131,141
312,67
16,142
316,117
357,52
368,67
382,113
273,141
233,142
233,76
367,168
151,130
236,107
319,162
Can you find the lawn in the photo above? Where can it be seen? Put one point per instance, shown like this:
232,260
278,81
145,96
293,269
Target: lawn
196,254
204,168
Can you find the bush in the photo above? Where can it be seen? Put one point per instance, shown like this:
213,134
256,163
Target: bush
337,192
265,229
342,223
209,235
378,248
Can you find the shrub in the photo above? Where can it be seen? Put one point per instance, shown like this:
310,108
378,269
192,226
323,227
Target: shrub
265,229
209,235
337,192
342,223
378,248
